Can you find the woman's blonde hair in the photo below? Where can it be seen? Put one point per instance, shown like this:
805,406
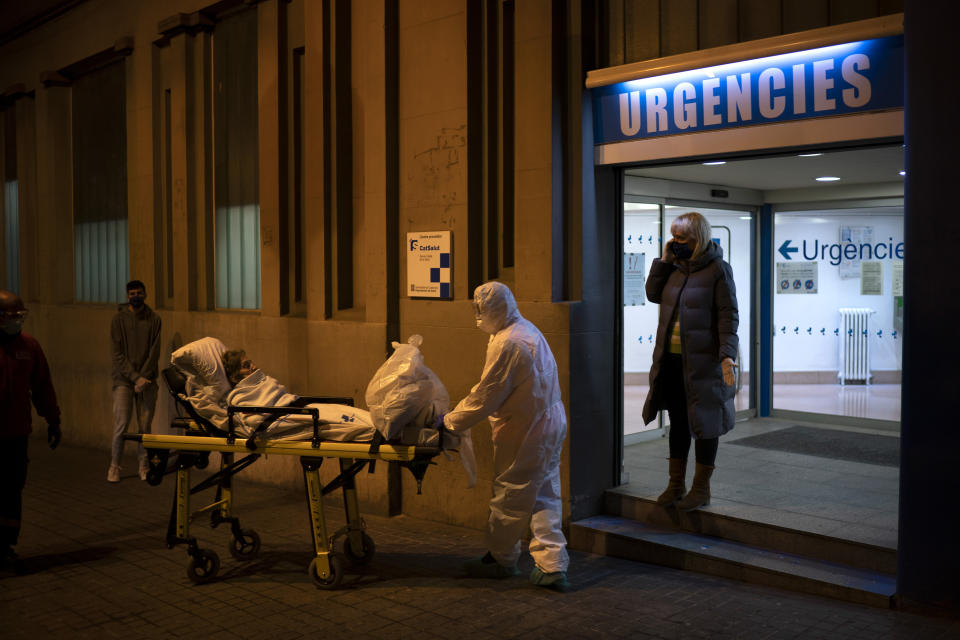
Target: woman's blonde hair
696,229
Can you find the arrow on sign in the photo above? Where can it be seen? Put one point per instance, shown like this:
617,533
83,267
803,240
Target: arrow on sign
785,250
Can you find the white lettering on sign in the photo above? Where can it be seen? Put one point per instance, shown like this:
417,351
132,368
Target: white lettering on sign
799,89
771,80
859,95
738,98
630,115
711,100
821,85
654,109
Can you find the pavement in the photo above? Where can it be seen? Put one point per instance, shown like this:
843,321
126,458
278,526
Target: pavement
97,567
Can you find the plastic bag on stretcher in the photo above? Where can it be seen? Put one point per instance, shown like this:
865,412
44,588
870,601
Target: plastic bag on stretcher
404,392
405,397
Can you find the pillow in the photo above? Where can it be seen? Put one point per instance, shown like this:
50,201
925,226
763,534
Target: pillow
203,359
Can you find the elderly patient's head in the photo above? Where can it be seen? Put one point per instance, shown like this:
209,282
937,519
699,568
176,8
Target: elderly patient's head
237,365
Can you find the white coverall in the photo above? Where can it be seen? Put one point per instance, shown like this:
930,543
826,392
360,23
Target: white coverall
519,392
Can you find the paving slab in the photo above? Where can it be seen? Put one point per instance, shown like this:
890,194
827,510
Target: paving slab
98,568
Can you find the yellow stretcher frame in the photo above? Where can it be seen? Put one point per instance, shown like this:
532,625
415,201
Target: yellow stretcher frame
326,567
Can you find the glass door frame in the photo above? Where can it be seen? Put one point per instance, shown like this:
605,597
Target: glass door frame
752,297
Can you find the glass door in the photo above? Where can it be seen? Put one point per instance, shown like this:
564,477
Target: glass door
643,220
837,312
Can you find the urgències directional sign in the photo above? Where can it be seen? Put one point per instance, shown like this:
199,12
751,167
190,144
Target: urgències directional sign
837,252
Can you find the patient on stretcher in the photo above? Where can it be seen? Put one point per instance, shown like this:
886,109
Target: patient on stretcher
253,388
218,378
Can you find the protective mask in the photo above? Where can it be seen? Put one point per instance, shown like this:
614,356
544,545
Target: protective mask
683,251
11,327
136,301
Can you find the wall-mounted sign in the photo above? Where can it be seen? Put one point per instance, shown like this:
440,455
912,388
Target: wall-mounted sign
871,278
897,277
844,78
797,277
428,264
634,279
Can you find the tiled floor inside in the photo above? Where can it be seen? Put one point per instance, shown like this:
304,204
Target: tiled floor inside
874,402
837,498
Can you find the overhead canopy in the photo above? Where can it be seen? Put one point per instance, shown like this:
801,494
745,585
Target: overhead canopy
789,43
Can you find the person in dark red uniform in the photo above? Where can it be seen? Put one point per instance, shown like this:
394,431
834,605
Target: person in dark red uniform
24,376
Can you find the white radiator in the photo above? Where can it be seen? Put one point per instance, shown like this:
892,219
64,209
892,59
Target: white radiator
855,345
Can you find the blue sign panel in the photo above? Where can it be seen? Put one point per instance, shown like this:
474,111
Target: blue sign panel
844,78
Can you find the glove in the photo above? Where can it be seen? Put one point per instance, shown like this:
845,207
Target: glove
728,367
53,435
438,422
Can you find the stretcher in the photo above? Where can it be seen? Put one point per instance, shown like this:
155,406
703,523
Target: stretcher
181,453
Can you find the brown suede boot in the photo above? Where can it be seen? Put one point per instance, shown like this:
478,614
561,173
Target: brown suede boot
676,488
699,495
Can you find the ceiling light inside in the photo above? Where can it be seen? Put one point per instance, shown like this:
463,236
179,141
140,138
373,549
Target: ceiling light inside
808,155
903,173
827,179
714,163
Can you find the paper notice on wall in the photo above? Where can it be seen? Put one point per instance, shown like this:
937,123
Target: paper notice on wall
850,268
797,277
634,279
871,278
897,277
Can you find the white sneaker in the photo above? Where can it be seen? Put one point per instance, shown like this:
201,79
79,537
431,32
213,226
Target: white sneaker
113,474
144,469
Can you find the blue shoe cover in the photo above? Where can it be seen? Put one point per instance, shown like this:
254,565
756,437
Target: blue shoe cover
556,580
487,567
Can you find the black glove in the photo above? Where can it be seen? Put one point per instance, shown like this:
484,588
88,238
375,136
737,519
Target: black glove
53,435
438,422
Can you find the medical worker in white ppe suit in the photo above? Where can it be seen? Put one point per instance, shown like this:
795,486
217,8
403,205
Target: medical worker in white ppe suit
519,392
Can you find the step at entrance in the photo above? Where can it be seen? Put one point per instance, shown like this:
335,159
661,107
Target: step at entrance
752,528
625,538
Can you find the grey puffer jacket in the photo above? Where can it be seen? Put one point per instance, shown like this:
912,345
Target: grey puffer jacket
704,292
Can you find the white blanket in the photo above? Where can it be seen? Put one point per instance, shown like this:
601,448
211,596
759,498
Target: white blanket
338,422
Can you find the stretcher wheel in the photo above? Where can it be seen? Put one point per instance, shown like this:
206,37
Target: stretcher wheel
332,581
247,546
203,567
361,556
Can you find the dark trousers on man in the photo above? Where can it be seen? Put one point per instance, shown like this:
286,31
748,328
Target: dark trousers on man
13,477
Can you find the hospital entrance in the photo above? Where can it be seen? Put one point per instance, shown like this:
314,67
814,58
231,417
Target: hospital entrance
815,241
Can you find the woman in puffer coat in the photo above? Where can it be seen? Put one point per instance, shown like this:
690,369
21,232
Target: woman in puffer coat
692,375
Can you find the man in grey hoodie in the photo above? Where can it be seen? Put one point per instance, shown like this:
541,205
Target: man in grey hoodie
135,345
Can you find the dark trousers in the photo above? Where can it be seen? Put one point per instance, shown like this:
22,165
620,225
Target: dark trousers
675,400
13,477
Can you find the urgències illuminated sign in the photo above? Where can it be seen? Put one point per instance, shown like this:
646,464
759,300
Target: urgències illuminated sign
845,78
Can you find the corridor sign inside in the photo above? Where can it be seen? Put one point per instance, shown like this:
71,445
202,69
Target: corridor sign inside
839,79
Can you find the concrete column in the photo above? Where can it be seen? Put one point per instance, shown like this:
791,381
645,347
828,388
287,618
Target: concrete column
274,277
314,166
371,155
183,239
27,196
54,258
202,292
138,82
927,562
537,200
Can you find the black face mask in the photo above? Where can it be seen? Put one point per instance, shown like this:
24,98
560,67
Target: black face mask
683,251
136,302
